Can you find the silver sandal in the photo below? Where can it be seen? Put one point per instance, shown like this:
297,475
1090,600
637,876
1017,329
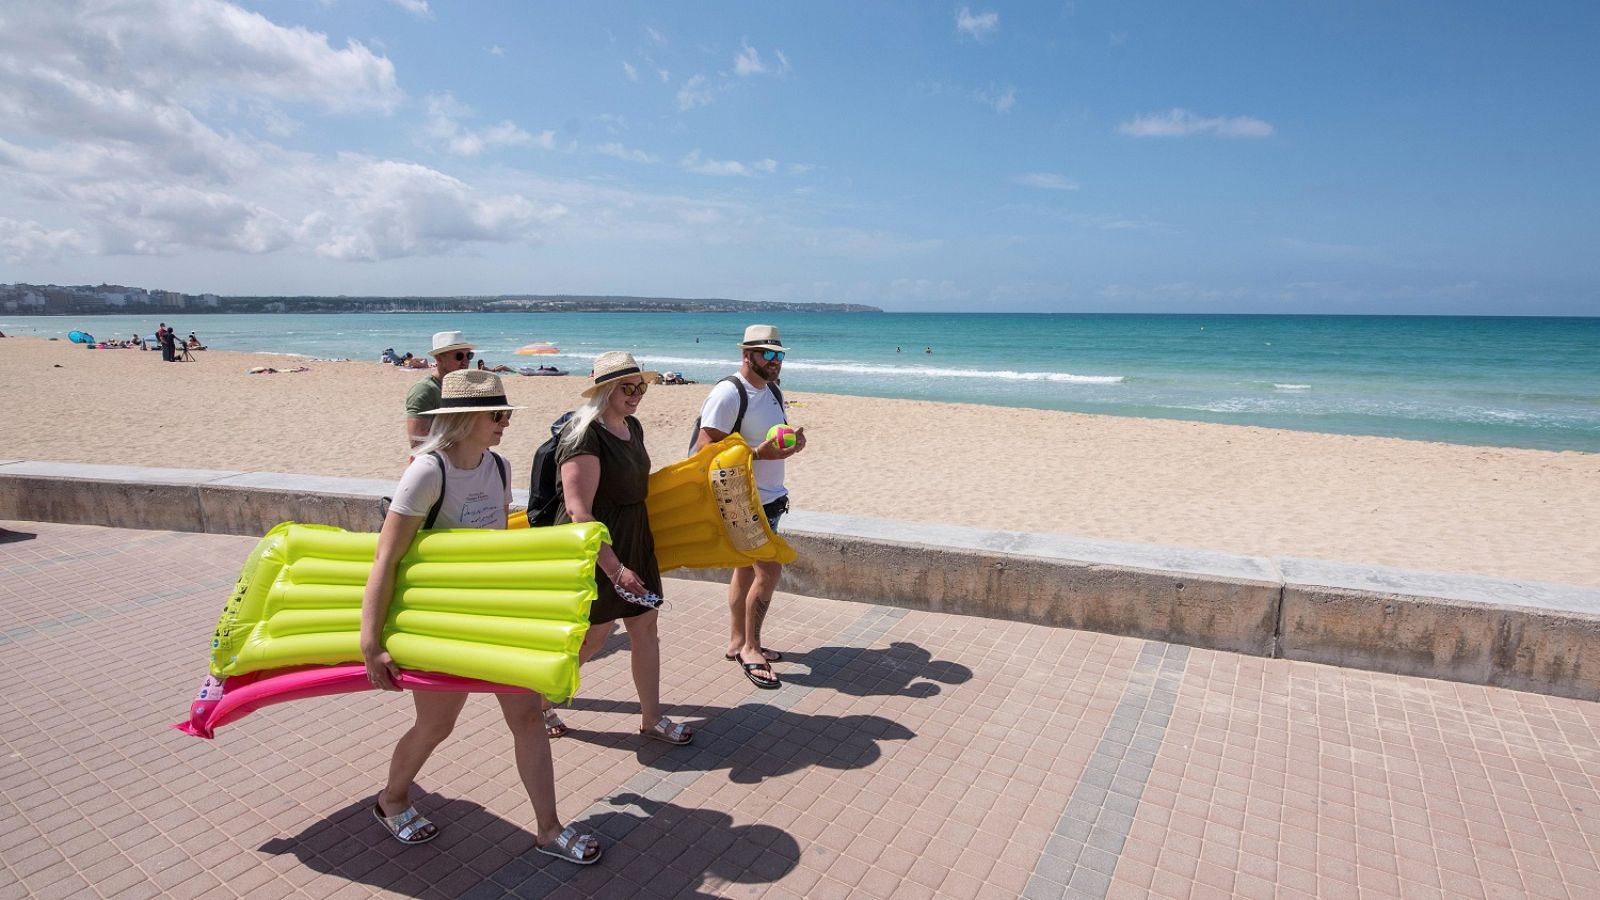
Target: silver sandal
406,826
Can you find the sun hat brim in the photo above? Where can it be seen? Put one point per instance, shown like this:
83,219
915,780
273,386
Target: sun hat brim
765,346
496,404
447,348
648,376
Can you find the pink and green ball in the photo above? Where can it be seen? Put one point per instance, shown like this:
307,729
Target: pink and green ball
784,435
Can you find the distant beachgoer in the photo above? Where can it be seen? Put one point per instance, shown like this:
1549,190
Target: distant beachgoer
137,342
604,477
452,353
469,417
501,368
193,343
169,346
897,349
750,589
161,341
927,349
388,356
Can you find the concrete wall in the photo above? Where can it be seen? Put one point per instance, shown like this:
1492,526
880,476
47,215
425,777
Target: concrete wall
1524,635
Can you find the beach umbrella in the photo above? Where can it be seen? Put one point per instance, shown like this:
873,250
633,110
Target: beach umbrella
538,350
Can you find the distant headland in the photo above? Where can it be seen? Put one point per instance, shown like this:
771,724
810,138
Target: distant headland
51,299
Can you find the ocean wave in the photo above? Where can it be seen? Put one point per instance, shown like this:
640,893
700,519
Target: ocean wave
849,368
1290,387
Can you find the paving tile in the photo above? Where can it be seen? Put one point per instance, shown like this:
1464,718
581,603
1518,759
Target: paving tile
910,754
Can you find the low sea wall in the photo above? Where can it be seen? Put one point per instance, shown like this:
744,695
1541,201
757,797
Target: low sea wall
1525,635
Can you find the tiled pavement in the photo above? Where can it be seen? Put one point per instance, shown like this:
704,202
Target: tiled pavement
909,755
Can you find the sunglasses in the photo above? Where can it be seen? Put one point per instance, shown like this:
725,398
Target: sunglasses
463,355
770,355
500,415
634,390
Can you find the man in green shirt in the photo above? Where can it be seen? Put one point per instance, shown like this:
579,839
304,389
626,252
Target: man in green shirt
451,353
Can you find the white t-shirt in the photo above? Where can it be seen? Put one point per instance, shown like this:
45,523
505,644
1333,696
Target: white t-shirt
722,407
473,498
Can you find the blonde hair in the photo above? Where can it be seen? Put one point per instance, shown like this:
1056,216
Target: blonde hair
446,431
584,416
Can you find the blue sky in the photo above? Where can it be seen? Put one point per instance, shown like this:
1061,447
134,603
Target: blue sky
1206,157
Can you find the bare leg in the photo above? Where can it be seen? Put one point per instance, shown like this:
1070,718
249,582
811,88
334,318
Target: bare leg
738,591
645,643
436,716
532,747
594,640
757,601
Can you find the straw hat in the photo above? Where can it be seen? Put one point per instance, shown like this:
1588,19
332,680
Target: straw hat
609,367
471,390
445,341
762,337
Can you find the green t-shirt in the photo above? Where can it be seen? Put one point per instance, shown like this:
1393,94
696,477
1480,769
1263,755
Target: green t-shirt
423,397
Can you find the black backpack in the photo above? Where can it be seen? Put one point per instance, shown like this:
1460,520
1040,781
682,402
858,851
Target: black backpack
744,404
543,486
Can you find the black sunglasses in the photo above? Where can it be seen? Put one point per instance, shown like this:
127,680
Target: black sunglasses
500,415
634,390
463,355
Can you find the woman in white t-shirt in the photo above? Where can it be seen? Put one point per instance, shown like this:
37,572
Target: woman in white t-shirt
475,492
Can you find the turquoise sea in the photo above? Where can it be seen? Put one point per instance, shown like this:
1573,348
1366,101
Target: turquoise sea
1516,382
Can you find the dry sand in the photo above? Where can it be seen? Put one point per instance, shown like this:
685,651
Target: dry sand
1528,514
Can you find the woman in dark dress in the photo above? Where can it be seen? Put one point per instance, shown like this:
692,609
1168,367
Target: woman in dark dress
605,476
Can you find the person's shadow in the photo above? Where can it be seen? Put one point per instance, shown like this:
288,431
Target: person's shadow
902,669
479,853
15,537
753,741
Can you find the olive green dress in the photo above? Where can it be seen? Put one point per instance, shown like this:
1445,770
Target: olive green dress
619,505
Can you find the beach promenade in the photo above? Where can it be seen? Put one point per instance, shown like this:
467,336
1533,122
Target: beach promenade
910,754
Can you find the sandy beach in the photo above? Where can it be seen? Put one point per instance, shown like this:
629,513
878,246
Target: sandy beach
1510,513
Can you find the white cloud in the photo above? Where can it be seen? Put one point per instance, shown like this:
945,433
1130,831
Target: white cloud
695,92
443,126
656,37
105,107
391,209
632,73
22,242
496,50
977,26
699,165
748,62
1047,180
620,152
196,48
1183,123
418,8
1001,101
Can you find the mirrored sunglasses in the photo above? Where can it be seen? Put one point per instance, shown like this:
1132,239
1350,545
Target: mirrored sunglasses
771,355
634,390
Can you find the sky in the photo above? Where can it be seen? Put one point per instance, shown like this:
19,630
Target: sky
1279,156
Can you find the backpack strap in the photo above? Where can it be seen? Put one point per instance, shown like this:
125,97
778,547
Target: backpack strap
433,512
778,395
744,402
500,463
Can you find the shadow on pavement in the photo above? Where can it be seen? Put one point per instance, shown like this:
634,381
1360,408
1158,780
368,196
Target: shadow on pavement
15,537
477,853
753,741
902,669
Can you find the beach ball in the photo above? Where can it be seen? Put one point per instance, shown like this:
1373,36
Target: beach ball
784,436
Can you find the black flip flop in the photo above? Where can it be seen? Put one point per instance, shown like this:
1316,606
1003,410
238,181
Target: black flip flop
751,668
770,656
